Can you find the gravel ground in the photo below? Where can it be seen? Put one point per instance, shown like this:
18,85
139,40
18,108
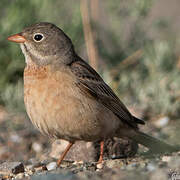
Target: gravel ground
26,154
159,167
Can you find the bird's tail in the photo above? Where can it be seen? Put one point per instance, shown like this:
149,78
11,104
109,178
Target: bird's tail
155,145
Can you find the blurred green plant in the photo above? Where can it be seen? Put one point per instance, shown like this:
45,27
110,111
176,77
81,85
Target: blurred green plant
14,16
152,82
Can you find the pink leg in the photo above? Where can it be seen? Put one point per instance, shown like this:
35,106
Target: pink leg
64,153
101,152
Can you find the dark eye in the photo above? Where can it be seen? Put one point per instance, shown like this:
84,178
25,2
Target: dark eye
38,37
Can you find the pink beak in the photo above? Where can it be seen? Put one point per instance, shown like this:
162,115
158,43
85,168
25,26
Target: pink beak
18,38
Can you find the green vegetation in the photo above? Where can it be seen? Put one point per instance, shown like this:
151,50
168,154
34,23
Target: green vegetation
150,81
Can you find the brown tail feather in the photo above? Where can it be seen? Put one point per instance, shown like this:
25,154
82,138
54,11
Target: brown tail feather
155,145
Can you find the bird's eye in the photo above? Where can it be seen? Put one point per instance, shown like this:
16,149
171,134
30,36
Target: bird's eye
38,37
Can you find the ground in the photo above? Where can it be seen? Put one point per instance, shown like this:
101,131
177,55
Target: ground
26,154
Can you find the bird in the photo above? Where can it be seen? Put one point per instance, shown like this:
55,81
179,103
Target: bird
65,98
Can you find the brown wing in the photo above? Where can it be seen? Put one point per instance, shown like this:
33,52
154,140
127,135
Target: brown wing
90,80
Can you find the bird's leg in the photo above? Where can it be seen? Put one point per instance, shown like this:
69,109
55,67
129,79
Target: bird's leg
64,153
101,152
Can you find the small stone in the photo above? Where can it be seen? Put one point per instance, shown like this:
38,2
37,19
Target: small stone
81,150
20,176
151,167
142,165
39,169
77,162
89,166
110,163
37,147
98,170
29,168
113,163
64,165
29,173
15,138
51,166
166,158
162,122
89,151
100,166
11,167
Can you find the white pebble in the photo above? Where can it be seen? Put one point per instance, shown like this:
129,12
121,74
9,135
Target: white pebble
15,138
77,162
51,166
166,158
99,166
20,176
37,147
161,122
151,167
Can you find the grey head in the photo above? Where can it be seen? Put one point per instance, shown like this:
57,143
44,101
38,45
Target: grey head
44,43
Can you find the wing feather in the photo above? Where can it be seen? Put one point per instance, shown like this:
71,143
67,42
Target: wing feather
89,79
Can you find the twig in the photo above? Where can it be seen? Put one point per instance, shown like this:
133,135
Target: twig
89,39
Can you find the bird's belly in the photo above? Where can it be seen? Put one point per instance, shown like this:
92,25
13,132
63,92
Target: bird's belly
60,110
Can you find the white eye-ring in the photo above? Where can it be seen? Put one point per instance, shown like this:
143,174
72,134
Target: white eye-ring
38,37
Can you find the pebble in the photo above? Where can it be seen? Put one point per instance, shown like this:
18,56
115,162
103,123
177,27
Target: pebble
89,166
51,166
77,162
114,163
100,166
40,168
11,167
37,147
142,165
151,167
162,122
166,158
20,176
29,168
98,170
29,173
15,138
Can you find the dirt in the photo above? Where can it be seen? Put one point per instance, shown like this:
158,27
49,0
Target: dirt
27,154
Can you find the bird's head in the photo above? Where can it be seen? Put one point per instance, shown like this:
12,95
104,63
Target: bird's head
44,43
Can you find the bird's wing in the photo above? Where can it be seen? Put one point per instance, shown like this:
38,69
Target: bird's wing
90,80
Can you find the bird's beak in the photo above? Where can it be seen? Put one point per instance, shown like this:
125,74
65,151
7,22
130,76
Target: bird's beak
18,38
